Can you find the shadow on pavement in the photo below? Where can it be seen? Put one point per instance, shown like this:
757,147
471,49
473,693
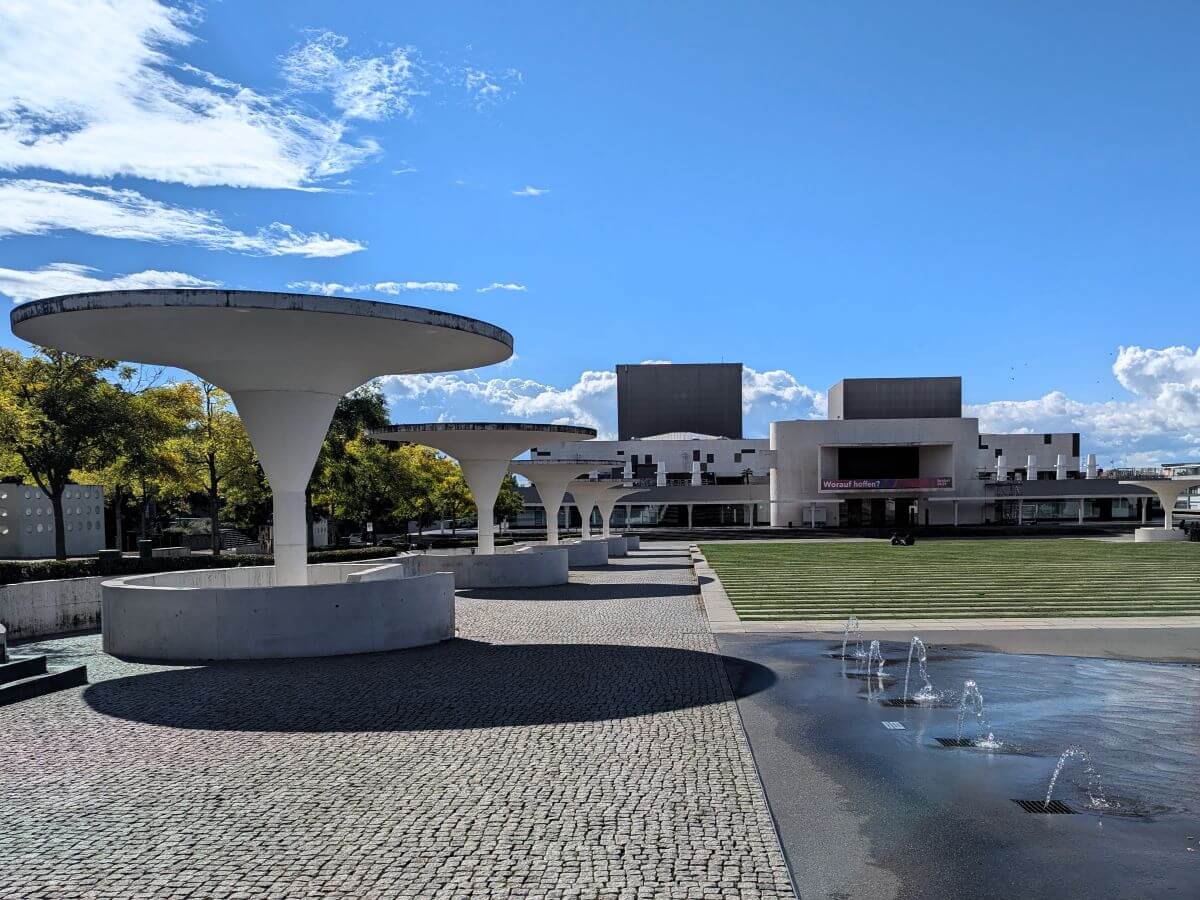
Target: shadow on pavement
456,685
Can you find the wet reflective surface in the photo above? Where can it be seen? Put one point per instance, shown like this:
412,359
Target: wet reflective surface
868,810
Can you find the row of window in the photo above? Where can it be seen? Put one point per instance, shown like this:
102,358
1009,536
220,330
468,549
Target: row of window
49,511
36,494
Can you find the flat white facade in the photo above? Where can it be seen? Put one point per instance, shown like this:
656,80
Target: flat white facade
27,521
717,457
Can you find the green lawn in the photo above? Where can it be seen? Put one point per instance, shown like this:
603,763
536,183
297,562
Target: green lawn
957,579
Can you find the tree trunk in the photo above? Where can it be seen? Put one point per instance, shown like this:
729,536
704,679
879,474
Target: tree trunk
60,529
118,525
308,516
214,509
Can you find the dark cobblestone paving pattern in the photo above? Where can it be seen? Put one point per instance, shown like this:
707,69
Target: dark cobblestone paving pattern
572,742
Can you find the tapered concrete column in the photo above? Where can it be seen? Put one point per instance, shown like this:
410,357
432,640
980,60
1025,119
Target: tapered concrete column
696,479
1002,468
660,473
551,478
287,429
484,451
1144,502
1031,467
1060,467
1168,490
1090,466
603,495
955,513
484,477
1082,503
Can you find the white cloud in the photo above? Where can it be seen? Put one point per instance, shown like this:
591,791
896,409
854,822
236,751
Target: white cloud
405,168
330,288
72,278
1161,419
489,88
500,286
371,88
33,207
530,191
591,400
90,89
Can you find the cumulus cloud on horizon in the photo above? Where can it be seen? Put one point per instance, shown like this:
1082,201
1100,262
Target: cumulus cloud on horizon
1159,421
591,400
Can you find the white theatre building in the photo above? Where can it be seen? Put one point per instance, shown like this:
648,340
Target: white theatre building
892,452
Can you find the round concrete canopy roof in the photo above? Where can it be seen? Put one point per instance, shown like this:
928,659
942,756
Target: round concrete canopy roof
531,468
481,440
260,340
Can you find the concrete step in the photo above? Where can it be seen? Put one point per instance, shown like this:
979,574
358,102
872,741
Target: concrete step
18,667
46,682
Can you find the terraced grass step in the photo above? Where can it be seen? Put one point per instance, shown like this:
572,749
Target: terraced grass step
958,579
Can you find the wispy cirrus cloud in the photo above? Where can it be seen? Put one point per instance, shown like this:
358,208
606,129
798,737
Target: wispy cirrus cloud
361,87
72,278
92,89
36,207
530,191
486,88
329,288
501,286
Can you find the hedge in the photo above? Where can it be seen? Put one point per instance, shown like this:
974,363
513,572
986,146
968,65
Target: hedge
14,571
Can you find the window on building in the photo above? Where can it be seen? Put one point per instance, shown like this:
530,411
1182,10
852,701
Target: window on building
737,457
999,452
709,458
649,459
695,456
748,450
1047,438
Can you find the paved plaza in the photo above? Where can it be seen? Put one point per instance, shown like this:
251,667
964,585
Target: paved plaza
576,741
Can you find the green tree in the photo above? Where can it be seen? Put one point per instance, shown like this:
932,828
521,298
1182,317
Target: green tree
59,414
509,503
215,449
361,409
453,498
147,462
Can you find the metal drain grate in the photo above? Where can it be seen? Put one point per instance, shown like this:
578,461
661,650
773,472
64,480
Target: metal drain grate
1054,807
894,726
955,742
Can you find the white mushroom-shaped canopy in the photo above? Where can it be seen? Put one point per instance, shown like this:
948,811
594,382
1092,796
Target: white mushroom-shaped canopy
484,450
551,477
286,359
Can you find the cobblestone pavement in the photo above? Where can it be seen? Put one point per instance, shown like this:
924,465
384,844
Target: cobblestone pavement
572,742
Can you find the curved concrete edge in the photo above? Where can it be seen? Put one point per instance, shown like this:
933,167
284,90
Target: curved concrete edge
528,567
164,618
585,553
618,546
1158,535
633,542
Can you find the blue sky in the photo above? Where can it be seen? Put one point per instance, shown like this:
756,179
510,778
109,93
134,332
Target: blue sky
1006,192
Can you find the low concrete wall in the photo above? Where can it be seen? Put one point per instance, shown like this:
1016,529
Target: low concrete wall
617,546
633,542
582,554
1158,535
236,614
535,566
158,552
41,608
38,608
